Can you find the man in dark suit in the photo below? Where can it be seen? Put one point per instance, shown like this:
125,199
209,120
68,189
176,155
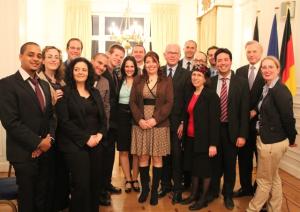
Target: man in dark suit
172,168
116,55
138,52
252,73
26,114
234,103
211,59
74,49
189,49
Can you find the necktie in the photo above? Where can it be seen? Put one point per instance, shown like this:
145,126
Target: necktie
223,101
38,92
170,73
188,66
251,76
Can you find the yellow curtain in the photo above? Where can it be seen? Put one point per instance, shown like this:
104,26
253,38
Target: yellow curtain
164,27
78,23
207,30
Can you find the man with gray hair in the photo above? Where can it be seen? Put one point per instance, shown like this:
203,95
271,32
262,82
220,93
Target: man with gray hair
252,73
172,163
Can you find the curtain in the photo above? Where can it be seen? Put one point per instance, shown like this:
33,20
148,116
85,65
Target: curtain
207,30
78,23
164,27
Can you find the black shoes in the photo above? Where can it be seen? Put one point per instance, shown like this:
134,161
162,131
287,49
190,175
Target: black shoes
143,196
104,198
211,197
177,197
228,202
242,193
128,189
198,205
154,198
114,190
188,200
135,185
163,192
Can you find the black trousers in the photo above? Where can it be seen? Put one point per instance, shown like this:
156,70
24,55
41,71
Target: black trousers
109,155
229,155
85,170
245,156
172,165
35,183
224,164
61,182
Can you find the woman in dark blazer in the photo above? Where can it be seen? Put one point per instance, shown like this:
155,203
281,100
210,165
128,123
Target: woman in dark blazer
151,102
276,129
201,135
81,127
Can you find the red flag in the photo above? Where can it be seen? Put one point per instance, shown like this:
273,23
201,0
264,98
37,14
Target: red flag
287,61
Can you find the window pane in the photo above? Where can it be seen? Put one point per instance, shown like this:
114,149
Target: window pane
95,47
95,25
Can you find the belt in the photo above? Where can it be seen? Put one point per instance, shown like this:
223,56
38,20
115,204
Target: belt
149,101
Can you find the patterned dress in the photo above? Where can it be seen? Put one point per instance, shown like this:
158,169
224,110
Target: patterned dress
154,141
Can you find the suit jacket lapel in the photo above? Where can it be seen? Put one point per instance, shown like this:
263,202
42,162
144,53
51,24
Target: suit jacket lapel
258,78
232,86
27,87
177,73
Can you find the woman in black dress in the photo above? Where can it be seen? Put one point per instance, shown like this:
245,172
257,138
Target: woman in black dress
129,70
202,135
81,127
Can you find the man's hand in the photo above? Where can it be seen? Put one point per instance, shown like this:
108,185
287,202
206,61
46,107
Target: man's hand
36,153
212,151
240,142
92,141
45,144
180,131
252,114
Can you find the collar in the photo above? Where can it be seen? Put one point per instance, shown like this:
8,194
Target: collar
256,65
173,68
228,77
185,61
273,83
24,74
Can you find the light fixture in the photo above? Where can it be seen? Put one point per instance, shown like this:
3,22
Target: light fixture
128,31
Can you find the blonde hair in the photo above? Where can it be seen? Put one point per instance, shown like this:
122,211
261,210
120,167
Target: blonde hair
272,58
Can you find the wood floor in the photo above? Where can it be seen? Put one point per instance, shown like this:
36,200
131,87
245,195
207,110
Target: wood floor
128,202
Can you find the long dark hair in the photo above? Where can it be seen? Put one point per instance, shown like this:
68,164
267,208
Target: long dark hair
128,58
155,58
70,78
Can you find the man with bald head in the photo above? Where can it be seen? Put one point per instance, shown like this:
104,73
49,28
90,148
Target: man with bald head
172,163
189,49
252,73
200,58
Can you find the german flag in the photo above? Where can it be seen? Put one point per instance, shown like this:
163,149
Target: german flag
287,61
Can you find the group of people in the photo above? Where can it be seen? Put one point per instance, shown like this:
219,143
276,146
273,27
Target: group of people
63,121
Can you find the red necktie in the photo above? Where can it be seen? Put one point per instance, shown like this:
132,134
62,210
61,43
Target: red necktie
223,101
38,92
